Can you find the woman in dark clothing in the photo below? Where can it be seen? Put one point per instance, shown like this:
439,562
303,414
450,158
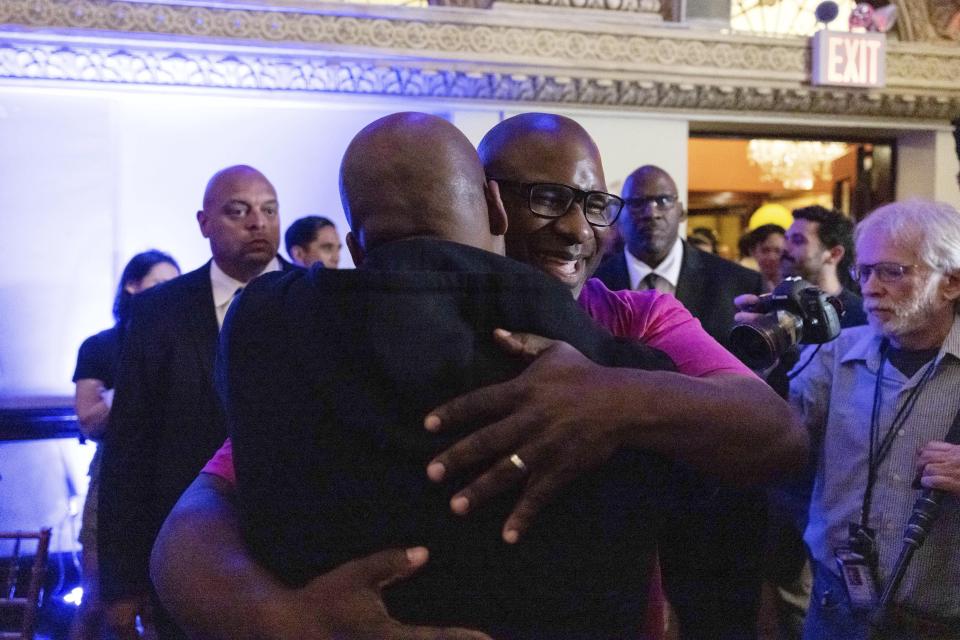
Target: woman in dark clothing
94,378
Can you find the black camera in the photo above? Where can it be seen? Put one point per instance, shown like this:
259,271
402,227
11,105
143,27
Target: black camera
794,312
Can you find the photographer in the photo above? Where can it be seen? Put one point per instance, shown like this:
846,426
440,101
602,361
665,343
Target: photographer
819,249
872,399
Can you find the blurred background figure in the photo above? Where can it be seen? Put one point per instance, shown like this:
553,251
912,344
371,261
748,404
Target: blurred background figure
94,378
703,238
313,239
766,247
760,249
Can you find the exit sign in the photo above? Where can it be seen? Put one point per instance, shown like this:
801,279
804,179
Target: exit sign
845,59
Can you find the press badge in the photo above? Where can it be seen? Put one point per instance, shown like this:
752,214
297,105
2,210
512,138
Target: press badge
858,578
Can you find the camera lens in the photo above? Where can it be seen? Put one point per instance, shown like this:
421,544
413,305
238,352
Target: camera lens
760,343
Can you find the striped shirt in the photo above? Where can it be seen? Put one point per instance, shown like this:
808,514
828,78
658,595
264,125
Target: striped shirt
835,396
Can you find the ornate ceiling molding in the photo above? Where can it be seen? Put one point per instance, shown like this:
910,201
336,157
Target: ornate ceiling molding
460,33
650,7
452,53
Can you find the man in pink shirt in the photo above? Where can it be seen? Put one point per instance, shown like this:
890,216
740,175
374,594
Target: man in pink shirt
750,435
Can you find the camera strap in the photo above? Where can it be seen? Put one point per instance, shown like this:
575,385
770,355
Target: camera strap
879,451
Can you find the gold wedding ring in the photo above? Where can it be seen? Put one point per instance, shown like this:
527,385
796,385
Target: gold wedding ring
518,463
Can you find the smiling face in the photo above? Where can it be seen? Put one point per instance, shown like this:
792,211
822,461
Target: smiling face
241,218
568,247
650,221
542,148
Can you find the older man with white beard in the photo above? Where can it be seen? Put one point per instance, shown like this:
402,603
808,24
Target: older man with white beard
878,402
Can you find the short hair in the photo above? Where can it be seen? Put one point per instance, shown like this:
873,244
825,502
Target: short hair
135,271
751,239
932,228
703,236
764,231
835,229
302,231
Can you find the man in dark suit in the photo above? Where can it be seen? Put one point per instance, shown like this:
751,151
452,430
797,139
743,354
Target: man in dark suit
712,568
166,420
655,257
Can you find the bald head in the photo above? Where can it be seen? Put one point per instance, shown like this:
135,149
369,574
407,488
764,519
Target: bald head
226,178
536,144
414,174
544,148
241,219
648,173
650,223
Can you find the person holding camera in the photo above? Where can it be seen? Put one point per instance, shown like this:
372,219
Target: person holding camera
819,249
879,402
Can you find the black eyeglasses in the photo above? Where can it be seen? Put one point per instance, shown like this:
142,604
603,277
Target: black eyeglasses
886,272
551,200
662,201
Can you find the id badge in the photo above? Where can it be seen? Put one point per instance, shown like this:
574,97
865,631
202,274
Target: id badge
862,540
858,578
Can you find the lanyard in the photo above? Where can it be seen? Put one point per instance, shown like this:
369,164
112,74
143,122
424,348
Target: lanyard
879,451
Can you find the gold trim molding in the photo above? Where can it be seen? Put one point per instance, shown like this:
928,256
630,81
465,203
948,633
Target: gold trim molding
453,53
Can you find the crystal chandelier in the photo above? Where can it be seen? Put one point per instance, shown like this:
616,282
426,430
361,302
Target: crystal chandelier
794,163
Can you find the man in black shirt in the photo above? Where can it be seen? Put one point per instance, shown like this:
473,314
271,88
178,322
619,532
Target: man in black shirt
367,232
819,249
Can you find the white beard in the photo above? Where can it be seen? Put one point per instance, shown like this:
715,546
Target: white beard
911,313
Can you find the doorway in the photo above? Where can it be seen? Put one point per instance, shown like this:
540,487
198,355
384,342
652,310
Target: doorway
736,183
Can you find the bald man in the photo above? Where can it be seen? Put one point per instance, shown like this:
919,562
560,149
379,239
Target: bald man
530,157
725,542
655,257
564,246
707,574
414,326
166,421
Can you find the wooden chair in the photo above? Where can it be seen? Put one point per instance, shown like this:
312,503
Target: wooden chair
21,588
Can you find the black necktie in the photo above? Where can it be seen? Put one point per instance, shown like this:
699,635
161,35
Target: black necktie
650,282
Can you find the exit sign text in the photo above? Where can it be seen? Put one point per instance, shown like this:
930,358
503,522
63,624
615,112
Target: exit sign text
848,59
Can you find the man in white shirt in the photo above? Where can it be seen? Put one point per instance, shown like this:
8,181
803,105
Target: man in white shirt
655,257
716,532
166,421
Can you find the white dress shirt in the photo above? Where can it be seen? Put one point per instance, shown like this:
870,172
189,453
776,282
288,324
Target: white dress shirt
668,270
225,288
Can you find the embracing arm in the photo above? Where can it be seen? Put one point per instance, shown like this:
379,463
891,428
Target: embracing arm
201,571
565,415
733,427
215,590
